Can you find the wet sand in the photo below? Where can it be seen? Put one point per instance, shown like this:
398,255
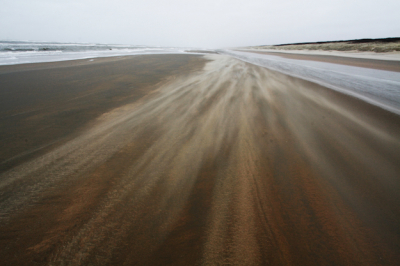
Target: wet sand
43,105
169,163
388,65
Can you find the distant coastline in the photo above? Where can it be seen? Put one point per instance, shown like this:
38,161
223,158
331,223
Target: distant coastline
382,45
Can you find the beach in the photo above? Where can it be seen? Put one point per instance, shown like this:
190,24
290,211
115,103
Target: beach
183,159
387,61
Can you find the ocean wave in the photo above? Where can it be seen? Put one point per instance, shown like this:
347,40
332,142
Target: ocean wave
16,46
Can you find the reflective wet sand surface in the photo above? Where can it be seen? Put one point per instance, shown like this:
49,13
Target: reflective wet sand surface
230,164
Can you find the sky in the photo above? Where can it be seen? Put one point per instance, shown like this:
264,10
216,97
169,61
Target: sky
203,24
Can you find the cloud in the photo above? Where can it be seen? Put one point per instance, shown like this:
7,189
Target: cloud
197,23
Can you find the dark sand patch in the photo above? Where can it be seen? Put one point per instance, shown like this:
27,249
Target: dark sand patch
42,105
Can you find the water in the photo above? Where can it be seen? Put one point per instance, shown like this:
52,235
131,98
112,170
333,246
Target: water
17,52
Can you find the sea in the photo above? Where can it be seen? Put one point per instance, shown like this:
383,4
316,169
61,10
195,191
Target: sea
22,52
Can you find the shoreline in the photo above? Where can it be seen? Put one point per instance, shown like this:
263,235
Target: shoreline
16,58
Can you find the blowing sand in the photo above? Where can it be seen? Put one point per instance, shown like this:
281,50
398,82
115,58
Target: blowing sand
188,160
384,61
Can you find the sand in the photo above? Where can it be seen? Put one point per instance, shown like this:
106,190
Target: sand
43,105
387,56
189,160
385,61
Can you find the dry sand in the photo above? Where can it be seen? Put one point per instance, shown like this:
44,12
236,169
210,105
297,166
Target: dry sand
169,163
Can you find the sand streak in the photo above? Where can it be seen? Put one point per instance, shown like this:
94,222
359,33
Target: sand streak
233,165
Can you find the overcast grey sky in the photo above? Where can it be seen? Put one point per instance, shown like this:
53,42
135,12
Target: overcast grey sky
205,23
